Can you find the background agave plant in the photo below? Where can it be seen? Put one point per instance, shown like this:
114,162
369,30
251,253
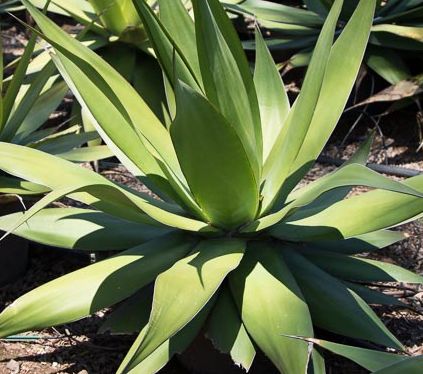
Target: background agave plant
114,30
397,31
234,247
27,100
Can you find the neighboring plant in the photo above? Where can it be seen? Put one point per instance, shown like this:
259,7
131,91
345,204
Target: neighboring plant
397,31
26,102
114,30
235,248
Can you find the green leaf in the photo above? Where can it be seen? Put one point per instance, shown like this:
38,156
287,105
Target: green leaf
271,94
166,50
231,37
83,229
227,332
141,136
179,24
16,82
412,365
131,316
148,81
40,111
116,16
222,77
371,296
361,243
360,269
368,358
213,160
88,154
345,59
349,175
387,39
317,363
276,12
320,7
324,295
176,344
199,274
272,306
414,33
368,212
65,143
26,104
331,197
66,178
387,63
15,186
126,144
61,300
289,141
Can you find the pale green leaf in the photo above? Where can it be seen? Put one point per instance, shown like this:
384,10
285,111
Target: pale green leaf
227,332
213,160
224,84
83,229
324,295
271,94
104,283
360,269
199,274
271,306
368,358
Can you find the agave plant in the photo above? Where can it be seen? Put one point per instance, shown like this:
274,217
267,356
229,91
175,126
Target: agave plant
27,102
114,30
397,31
236,249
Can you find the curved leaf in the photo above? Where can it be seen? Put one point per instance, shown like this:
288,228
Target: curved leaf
371,296
227,332
82,229
166,49
272,306
349,175
273,99
92,80
360,269
224,84
213,160
368,212
86,186
15,186
370,359
162,355
345,60
199,274
131,316
412,365
361,243
324,295
104,283
296,126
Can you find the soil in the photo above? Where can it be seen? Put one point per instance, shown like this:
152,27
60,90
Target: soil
77,348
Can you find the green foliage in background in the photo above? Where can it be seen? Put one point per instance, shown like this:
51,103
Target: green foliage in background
27,99
235,247
396,33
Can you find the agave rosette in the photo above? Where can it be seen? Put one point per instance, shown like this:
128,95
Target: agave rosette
235,249
396,35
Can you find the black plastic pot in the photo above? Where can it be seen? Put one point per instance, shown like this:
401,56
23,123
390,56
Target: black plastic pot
13,250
